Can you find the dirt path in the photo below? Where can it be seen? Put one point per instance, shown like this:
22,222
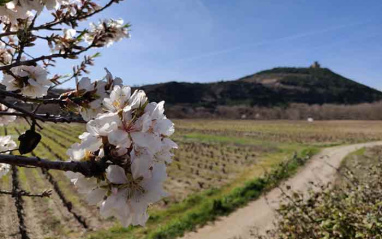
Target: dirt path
260,213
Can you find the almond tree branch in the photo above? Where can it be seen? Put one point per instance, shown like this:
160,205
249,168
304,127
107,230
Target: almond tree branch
48,117
25,112
87,168
46,57
42,117
34,117
27,99
48,26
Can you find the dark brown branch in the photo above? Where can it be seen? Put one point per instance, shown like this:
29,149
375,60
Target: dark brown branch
49,25
23,193
87,168
42,117
46,57
25,112
48,117
27,99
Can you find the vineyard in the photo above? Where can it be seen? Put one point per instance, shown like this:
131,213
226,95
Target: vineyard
214,157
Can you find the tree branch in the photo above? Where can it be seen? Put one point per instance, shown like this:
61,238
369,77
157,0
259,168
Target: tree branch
48,26
41,58
25,112
87,168
42,117
48,117
27,99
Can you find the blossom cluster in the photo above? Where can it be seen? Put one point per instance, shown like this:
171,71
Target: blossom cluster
32,81
131,135
6,144
106,32
125,133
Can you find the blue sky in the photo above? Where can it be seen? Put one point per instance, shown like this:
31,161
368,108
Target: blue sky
211,40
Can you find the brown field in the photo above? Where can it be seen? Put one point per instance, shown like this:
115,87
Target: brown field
212,154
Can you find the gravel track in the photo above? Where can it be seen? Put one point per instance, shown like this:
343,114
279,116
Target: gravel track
259,215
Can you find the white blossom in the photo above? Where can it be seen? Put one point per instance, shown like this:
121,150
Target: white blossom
5,54
30,80
137,100
4,169
6,144
105,125
119,98
152,126
6,119
165,154
132,194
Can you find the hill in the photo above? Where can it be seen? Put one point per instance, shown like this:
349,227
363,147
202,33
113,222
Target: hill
279,93
275,87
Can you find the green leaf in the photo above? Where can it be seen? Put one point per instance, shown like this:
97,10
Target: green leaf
96,55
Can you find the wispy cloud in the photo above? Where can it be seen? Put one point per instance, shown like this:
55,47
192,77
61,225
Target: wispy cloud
269,42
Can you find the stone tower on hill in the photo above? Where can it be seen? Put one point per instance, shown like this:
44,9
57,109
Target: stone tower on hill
315,65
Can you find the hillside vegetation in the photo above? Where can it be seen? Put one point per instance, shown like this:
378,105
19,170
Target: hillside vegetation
275,87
